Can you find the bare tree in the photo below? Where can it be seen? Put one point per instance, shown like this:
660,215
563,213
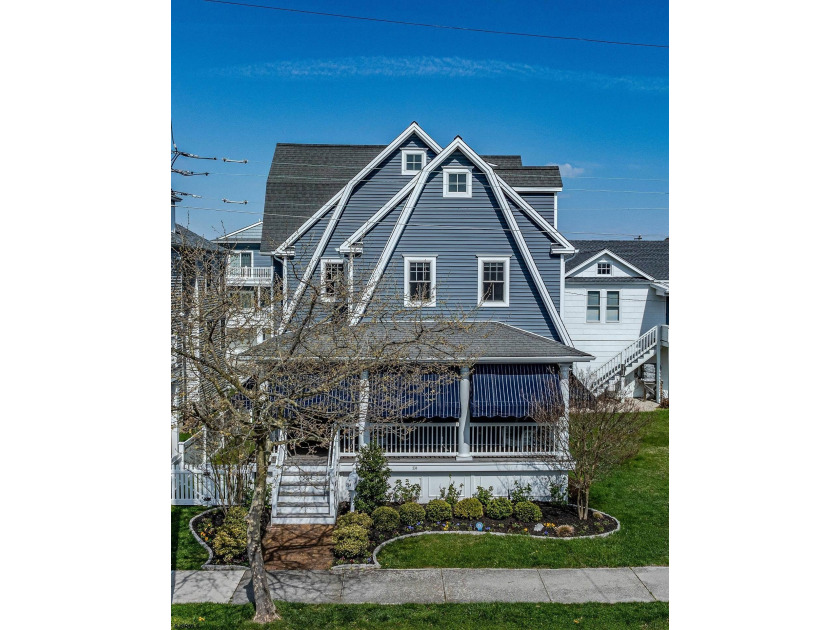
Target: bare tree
297,389
600,432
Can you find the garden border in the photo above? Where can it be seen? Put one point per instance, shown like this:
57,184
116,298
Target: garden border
376,565
207,566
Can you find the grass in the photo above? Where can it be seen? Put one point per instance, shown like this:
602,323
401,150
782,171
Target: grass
499,616
636,494
186,552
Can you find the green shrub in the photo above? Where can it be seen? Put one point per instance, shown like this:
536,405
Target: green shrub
438,510
484,495
499,508
557,490
232,537
385,519
354,518
527,511
372,489
411,513
350,541
451,493
405,492
520,493
468,508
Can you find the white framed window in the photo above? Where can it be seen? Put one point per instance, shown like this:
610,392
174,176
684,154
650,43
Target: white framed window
413,161
332,278
241,259
457,182
493,280
420,277
593,306
604,269
613,307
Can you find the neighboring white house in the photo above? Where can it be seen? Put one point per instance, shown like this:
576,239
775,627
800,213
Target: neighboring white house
616,309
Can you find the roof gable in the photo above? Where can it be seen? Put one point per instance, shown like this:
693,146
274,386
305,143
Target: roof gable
249,234
649,257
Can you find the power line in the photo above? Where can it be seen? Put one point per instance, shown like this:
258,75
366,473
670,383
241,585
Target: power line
441,26
636,192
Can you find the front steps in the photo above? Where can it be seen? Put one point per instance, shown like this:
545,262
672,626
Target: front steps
303,494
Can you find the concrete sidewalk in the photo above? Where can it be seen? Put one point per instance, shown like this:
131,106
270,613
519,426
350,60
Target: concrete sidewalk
429,586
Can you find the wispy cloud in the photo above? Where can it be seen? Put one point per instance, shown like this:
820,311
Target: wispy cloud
431,67
568,171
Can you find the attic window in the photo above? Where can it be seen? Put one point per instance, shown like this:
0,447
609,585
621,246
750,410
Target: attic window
413,161
604,269
457,182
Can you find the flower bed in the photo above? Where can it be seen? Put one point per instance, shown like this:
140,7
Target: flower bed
557,521
212,525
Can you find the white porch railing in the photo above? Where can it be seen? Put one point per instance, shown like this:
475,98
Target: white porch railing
499,439
626,359
249,273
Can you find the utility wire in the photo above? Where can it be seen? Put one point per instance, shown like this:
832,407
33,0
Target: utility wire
441,26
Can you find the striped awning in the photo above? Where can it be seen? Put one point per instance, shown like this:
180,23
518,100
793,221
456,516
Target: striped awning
510,389
429,396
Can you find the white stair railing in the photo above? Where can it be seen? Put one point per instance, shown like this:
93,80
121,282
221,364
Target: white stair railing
625,359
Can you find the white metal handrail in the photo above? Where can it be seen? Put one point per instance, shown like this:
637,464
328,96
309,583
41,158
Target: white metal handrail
628,356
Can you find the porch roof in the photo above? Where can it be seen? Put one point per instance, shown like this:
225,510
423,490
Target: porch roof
474,342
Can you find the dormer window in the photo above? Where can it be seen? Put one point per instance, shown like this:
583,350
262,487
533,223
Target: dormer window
457,182
413,161
604,269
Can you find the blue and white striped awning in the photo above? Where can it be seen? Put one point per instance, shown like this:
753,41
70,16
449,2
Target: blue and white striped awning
437,397
510,389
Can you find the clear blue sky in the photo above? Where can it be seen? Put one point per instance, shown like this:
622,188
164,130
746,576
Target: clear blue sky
244,79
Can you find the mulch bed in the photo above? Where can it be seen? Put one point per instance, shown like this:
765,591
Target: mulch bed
207,526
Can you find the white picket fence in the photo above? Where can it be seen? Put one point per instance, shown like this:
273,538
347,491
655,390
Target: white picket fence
196,487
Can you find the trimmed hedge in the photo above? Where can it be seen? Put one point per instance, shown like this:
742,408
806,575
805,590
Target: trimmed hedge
354,518
438,510
527,511
499,508
468,508
385,519
350,542
411,513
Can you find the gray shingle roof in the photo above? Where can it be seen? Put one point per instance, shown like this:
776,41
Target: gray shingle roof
303,177
182,237
649,256
489,342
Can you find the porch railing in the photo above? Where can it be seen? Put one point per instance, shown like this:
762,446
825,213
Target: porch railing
247,273
498,439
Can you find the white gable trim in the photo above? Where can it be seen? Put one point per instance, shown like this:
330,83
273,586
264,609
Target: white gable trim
617,258
293,238
347,246
527,189
549,230
345,193
496,186
226,236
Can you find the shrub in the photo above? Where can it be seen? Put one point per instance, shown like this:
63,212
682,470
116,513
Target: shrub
597,515
451,493
557,490
372,489
350,541
485,496
468,508
411,513
354,518
385,519
527,511
438,510
405,493
499,508
232,537
564,530
520,493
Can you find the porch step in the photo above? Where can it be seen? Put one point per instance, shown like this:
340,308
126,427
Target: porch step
303,492
303,509
310,519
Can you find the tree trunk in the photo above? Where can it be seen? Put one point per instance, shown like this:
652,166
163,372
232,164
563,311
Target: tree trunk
580,509
586,505
265,609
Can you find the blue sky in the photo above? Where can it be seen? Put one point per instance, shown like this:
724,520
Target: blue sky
244,79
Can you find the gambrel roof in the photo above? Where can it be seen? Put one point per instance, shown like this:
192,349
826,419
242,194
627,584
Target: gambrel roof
650,257
303,177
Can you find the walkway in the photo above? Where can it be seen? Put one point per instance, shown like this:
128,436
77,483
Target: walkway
429,586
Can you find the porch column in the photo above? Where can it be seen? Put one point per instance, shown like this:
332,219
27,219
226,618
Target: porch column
564,389
658,363
464,419
364,401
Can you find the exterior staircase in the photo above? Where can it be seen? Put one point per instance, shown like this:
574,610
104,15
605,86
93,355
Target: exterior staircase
637,353
302,492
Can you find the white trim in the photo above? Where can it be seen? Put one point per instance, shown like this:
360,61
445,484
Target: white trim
413,151
607,252
555,212
407,260
226,236
459,170
506,300
550,231
323,284
348,245
239,252
609,267
527,189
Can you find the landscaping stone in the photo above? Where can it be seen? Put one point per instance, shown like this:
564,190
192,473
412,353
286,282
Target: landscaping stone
655,579
309,587
493,585
217,587
395,586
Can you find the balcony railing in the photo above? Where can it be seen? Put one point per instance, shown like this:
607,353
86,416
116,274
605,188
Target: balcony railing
498,439
249,273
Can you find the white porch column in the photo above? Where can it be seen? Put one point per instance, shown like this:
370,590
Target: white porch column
565,368
364,401
464,419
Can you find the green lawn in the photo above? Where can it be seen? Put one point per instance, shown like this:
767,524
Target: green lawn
186,552
636,494
499,616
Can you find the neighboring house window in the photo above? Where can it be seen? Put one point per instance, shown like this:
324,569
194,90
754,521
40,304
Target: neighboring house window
593,306
241,259
264,296
457,182
332,277
413,161
420,281
243,297
604,269
493,281
613,314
